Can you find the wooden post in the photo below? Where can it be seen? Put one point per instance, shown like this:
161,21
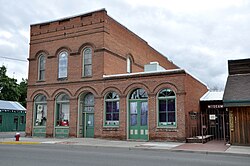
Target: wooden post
224,132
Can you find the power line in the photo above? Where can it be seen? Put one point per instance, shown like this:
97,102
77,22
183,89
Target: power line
14,59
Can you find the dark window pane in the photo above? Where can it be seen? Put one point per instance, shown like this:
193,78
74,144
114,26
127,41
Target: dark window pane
171,105
171,117
162,117
116,117
108,117
162,106
108,107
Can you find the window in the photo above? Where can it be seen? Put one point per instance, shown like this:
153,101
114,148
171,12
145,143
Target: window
166,108
62,110
22,120
41,68
63,65
15,119
89,103
112,109
139,94
40,111
87,62
129,65
1,119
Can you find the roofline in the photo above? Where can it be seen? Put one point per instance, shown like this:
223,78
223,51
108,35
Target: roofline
143,74
69,17
143,41
236,101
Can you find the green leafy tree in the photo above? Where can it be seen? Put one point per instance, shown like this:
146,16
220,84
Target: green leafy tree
10,90
23,92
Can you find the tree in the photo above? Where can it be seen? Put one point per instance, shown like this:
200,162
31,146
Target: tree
23,92
10,90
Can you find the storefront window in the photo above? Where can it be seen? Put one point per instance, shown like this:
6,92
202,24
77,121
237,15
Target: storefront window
62,107
40,111
167,108
112,109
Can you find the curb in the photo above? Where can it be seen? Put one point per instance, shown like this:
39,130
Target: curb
19,143
212,152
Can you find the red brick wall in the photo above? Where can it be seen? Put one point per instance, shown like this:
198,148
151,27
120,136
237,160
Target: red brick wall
111,43
194,91
124,42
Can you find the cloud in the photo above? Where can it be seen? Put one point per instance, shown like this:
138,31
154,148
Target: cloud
199,36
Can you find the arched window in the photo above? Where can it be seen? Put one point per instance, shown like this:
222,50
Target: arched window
138,94
167,108
89,103
112,109
62,110
41,68
63,65
87,62
129,65
40,110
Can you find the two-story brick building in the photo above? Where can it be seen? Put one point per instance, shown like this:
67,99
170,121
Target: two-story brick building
89,76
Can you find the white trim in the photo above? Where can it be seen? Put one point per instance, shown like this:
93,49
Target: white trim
141,73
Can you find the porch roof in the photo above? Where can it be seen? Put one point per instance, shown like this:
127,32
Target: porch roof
212,96
237,91
11,105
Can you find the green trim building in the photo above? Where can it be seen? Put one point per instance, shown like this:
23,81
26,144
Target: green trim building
12,116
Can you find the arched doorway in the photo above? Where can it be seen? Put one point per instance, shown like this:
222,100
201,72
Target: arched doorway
138,115
86,117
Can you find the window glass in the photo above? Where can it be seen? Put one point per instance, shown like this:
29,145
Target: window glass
133,113
129,65
1,119
112,109
40,111
41,68
22,120
87,62
89,103
62,107
63,65
166,108
139,94
144,113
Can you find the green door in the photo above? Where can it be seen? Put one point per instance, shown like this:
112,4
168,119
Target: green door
138,120
88,125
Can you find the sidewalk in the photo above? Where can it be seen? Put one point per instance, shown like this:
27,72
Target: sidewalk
217,147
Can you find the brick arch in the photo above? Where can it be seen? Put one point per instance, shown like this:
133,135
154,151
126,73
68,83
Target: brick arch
129,55
61,49
110,89
134,86
61,90
165,85
85,89
46,53
88,44
39,91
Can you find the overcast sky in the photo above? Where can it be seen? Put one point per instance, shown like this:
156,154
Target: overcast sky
199,36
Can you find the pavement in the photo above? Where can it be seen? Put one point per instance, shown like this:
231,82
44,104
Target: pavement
211,147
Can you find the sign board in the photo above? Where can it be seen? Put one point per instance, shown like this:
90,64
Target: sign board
215,106
212,117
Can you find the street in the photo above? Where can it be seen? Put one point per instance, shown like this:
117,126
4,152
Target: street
58,155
